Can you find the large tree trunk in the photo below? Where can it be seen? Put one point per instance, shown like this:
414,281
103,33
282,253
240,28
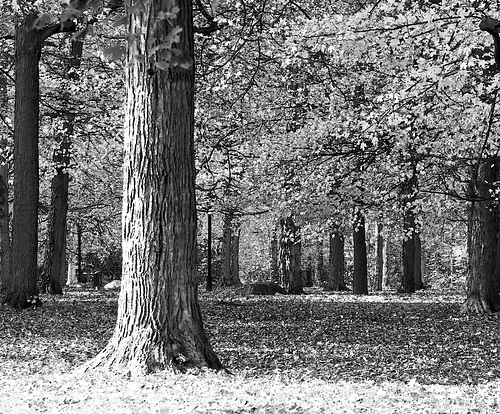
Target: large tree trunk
54,263
290,257
159,322
336,269
360,277
483,288
22,289
5,150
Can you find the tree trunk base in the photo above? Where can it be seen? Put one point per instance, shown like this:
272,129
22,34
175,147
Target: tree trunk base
144,353
336,287
296,291
18,300
477,305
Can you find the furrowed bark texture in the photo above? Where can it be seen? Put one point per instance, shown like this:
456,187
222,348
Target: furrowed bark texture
360,276
159,322
483,282
23,284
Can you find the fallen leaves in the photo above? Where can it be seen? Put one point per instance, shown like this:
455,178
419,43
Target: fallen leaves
312,353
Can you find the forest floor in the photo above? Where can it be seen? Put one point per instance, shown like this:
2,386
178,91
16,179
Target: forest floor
315,353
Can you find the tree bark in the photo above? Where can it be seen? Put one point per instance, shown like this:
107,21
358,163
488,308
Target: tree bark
483,288
22,288
5,231
159,323
336,269
360,277
230,251
408,198
290,257
419,283
274,256
381,258
5,150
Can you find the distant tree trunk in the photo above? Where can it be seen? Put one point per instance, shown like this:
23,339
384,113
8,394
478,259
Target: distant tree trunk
408,282
408,197
79,259
274,256
209,285
385,269
360,277
230,251
336,269
419,284
381,257
483,288
235,257
290,256
159,324
54,262
320,271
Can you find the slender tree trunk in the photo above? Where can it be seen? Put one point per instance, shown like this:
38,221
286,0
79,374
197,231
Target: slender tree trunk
290,257
159,323
360,277
408,282
408,197
235,257
320,271
209,286
336,269
274,257
230,250
419,284
483,288
381,257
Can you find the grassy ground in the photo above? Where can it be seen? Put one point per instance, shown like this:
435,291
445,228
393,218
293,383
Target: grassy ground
329,353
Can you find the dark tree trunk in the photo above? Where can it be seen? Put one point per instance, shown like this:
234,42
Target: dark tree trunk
419,284
381,258
159,324
5,150
230,251
209,285
408,198
22,289
290,257
5,231
274,256
54,263
360,276
408,282
320,270
483,289
336,269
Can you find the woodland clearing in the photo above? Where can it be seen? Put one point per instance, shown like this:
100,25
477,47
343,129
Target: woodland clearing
314,353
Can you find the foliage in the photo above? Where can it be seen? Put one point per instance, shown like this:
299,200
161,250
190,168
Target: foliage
288,354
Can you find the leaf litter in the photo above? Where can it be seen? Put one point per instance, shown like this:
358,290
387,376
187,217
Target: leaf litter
312,353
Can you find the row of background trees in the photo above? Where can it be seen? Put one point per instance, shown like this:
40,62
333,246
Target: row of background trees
318,116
